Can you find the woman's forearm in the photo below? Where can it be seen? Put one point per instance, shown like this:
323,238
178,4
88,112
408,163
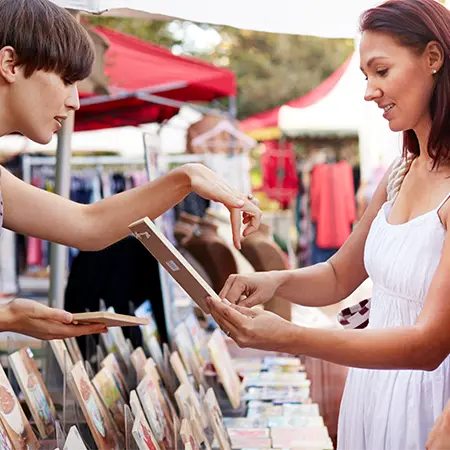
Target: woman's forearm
35,212
310,286
107,220
396,348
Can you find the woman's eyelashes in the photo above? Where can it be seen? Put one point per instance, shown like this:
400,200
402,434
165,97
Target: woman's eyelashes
379,72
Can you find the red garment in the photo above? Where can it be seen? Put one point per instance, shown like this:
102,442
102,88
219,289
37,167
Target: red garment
333,205
34,252
34,245
279,170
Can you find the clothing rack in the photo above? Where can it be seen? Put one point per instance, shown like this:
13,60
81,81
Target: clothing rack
28,161
99,162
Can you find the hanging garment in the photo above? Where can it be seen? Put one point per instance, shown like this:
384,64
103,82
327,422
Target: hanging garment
86,187
318,254
34,252
118,183
280,181
192,204
333,206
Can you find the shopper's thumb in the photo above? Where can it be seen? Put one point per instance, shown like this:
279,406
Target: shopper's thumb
250,301
244,310
57,315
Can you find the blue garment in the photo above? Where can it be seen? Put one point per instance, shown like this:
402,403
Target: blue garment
318,254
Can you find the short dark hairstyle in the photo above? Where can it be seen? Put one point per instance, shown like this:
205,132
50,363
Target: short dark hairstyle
46,37
415,23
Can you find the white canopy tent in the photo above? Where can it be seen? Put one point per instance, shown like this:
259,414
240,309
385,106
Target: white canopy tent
338,113
324,18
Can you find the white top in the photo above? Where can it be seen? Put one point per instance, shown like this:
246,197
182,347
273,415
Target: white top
396,409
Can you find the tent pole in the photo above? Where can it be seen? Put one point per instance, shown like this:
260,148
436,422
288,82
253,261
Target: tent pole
59,253
232,107
232,112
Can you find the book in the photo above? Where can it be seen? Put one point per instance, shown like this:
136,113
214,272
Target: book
13,419
109,319
174,262
33,388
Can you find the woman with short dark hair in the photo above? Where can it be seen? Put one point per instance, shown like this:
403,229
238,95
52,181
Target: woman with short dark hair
44,52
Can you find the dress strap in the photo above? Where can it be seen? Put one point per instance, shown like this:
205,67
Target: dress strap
443,202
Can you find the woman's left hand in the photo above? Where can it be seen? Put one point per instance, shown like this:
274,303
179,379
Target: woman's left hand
439,437
253,328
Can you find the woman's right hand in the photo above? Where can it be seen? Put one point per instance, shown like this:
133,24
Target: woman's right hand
39,321
250,290
210,186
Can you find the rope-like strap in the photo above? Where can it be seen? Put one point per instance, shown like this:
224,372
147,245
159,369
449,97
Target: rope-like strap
399,170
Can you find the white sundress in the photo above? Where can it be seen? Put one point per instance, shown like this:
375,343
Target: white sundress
396,409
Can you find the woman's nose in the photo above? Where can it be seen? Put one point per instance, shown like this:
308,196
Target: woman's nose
372,93
73,100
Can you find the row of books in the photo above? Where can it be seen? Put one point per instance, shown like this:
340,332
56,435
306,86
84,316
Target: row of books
162,398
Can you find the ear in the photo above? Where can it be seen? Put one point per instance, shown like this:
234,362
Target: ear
8,65
435,56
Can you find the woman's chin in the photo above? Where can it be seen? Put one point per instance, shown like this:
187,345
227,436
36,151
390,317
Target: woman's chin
40,138
396,127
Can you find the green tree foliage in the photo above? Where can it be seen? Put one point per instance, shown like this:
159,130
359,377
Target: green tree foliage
271,69
148,30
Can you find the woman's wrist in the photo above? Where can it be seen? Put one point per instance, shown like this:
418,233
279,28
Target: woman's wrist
296,338
280,278
6,320
182,177
185,174
288,339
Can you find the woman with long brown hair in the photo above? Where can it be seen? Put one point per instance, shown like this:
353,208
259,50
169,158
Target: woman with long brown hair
399,382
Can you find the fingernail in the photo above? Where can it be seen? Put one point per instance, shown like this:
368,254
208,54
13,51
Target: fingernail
240,203
68,317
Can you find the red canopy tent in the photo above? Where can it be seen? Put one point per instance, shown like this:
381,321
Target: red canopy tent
264,126
140,74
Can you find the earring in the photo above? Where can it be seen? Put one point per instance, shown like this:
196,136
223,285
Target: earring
434,71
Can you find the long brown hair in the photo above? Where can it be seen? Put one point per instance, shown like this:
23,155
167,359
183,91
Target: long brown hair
415,23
